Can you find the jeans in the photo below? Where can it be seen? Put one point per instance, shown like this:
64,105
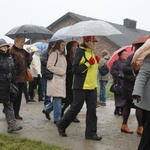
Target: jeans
55,106
102,97
44,89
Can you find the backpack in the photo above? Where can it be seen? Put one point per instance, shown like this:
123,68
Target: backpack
103,70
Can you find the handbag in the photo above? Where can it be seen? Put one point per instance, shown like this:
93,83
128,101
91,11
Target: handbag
48,73
13,90
29,76
116,87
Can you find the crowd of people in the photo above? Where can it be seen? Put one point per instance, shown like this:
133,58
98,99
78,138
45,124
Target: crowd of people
75,77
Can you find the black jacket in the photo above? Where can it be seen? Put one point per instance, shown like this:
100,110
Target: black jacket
7,75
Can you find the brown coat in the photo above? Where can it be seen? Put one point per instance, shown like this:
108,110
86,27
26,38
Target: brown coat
57,86
22,60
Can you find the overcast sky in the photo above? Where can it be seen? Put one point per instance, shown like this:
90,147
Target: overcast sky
44,12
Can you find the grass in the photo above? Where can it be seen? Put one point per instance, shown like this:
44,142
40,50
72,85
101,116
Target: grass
10,142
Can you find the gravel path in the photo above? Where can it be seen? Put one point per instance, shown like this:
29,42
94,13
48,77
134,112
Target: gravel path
37,127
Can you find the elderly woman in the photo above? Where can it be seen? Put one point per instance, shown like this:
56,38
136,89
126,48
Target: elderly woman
116,71
7,76
22,60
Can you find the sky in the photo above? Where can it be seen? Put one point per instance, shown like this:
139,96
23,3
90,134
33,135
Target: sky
45,12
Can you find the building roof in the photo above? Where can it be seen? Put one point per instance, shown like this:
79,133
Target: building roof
129,31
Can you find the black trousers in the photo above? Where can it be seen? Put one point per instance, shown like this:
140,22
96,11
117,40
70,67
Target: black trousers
145,138
79,96
18,98
33,85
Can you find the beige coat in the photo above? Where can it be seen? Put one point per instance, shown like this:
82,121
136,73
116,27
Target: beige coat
57,86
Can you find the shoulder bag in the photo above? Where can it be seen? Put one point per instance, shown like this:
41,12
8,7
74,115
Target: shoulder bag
48,73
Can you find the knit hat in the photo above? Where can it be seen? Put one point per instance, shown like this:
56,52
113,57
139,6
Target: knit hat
3,43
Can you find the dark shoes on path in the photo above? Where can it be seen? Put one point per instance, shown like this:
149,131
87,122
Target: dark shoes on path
18,117
46,115
61,132
94,137
76,120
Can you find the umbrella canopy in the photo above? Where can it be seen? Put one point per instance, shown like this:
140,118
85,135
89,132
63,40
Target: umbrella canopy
41,46
114,57
30,31
89,28
141,39
61,34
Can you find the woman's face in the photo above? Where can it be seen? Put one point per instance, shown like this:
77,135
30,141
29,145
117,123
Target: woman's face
123,55
20,43
4,48
90,44
62,47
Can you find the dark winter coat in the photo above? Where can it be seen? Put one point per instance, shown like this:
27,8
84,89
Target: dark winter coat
22,60
6,71
44,59
129,78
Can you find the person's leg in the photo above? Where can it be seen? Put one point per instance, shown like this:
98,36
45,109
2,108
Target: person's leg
139,117
57,108
145,138
126,113
91,118
10,118
17,101
26,93
103,91
78,100
40,93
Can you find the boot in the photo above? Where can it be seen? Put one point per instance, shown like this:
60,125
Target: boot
116,112
139,130
124,128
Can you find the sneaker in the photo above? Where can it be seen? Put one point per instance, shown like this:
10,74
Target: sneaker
14,128
31,100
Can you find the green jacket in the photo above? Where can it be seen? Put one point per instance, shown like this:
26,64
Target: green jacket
85,75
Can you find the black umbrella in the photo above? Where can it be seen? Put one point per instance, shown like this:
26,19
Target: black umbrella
30,31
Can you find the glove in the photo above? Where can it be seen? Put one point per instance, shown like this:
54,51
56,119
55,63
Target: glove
91,61
97,58
136,98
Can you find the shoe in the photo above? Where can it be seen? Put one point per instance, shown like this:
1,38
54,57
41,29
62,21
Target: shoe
46,115
55,122
124,128
94,137
102,103
139,130
61,132
18,117
98,104
14,128
76,120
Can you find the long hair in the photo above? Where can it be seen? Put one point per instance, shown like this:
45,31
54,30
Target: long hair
57,46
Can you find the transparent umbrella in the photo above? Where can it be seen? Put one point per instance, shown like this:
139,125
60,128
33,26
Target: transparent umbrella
92,27
61,34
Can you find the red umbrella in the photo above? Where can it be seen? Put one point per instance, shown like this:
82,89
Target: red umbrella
141,39
114,57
